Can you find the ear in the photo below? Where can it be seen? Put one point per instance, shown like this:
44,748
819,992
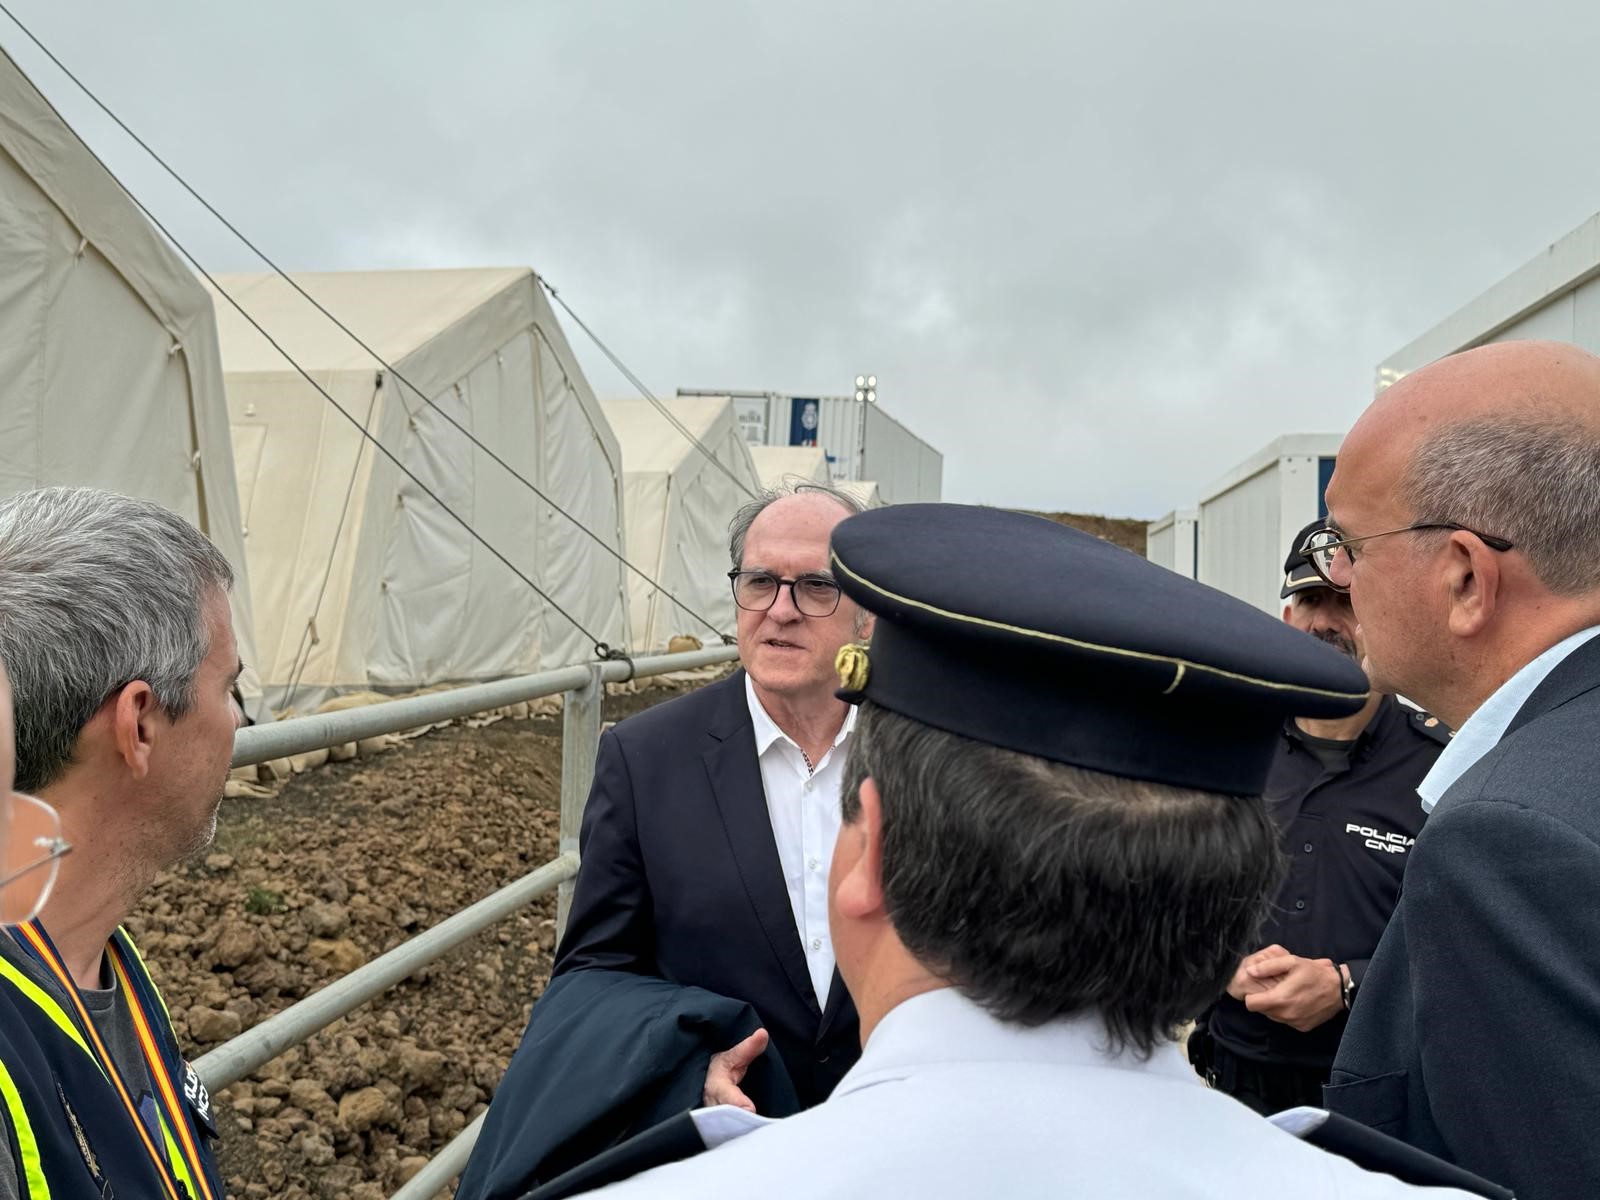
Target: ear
1472,576
858,859
134,716
1288,611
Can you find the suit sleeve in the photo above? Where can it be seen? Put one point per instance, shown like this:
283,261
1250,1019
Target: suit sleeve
1501,923
609,925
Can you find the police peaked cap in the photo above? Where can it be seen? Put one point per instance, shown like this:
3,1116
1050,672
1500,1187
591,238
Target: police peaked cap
1022,633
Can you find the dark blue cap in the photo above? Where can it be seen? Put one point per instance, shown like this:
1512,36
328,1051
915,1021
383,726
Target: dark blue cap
1019,632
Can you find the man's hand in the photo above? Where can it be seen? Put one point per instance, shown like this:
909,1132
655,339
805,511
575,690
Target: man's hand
1244,983
727,1071
1301,993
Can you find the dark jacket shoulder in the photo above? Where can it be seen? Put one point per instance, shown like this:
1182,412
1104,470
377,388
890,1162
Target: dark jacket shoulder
709,708
1425,725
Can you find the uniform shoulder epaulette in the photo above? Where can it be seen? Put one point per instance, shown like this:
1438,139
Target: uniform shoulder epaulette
1430,726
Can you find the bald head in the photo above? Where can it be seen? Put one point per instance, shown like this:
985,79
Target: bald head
1531,381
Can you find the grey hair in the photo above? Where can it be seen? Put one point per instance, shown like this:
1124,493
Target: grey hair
739,527
1534,483
1043,890
97,590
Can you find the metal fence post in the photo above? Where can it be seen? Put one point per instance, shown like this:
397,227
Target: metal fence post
580,742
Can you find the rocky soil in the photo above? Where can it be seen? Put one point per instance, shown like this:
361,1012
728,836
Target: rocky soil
339,865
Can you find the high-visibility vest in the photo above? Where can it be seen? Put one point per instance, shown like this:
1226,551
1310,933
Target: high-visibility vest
71,1132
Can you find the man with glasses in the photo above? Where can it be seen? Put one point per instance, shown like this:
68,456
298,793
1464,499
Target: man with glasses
1464,522
1342,791
712,819
116,633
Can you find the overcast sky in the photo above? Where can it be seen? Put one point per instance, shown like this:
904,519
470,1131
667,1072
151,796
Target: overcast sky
1096,253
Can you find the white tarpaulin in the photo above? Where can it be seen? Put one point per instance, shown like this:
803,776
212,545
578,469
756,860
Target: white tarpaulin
679,506
363,581
790,464
109,374
864,490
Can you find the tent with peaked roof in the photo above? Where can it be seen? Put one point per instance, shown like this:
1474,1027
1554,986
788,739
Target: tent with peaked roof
363,580
679,504
790,464
109,374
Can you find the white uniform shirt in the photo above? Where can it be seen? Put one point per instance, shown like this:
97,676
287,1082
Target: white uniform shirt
803,805
948,1102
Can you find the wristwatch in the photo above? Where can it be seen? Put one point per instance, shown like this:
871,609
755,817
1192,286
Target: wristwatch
1347,986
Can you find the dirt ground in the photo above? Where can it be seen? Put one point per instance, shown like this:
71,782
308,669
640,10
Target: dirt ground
1121,531
343,863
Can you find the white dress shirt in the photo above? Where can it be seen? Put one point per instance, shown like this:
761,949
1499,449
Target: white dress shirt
946,1101
803,803
1482,731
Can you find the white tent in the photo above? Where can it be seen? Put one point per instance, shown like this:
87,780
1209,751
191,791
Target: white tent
864,490
108,349
362,580
789,464
679,506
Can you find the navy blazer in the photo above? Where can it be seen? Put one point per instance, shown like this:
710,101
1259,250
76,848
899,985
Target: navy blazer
1476,1033
680,879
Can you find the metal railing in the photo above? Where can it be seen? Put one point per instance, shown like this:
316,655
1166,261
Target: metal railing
583,689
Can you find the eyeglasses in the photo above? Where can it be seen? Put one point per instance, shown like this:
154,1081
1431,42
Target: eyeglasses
31,848
1321,549
757,591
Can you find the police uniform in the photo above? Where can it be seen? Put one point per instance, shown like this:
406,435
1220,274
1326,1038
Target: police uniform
1348,814
82,1116
1014,631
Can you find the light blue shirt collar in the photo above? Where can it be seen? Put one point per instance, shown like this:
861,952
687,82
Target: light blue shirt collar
1482,731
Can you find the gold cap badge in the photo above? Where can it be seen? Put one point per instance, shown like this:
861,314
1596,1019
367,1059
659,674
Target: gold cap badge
853,665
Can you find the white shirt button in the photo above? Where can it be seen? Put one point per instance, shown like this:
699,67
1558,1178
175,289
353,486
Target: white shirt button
808,785
816,943
813,864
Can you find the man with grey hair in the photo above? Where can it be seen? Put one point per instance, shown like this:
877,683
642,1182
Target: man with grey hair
718,812
1464,521
116,631
705,850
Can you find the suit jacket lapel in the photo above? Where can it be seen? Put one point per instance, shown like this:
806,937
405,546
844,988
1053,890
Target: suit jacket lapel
1579,672
838,1004
741,799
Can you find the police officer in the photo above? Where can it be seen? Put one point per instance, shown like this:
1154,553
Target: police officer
1052,850
1343,793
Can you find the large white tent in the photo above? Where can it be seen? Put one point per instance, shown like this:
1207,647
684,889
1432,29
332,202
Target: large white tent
679,504
109,374
364,581
790,464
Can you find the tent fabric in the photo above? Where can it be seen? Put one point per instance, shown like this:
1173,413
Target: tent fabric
864,490
362,580
679,505
109,372
778,465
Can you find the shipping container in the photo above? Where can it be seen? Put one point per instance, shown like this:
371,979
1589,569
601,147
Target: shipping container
1173,541
1248,517
1555,296
861,441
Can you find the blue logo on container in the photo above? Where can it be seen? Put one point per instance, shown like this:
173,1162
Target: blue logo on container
803,418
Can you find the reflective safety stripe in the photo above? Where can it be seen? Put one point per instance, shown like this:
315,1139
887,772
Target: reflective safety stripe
179,1167
47,1004
30,1168
167,1093
145,970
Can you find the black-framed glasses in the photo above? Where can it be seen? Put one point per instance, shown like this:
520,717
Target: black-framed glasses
757,591
1321,548
31,848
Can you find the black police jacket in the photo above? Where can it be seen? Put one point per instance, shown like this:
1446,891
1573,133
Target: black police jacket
1347,834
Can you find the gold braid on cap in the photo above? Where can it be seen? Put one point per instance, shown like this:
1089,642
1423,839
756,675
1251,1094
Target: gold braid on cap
854,665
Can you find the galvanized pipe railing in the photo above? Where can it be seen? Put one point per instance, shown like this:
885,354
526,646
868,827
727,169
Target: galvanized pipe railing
580,734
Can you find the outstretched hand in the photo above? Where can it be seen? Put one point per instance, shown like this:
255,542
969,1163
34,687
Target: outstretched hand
728,1069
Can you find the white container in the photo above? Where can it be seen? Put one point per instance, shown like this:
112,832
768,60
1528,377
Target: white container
1248,517
1172,541
1555,295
